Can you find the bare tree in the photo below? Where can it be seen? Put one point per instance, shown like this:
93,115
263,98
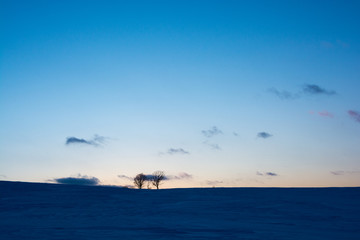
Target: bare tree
139,180
157,177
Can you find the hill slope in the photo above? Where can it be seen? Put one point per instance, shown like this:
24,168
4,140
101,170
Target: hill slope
52,211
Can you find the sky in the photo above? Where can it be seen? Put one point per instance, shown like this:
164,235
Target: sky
213,93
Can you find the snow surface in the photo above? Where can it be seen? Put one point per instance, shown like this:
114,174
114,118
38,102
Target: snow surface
55,211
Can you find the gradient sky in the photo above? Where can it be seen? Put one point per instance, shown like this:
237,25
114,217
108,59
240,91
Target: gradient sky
214,93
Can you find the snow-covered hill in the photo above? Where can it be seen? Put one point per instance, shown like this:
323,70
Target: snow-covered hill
53,211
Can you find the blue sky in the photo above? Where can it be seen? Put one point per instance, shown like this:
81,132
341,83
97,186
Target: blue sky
214,93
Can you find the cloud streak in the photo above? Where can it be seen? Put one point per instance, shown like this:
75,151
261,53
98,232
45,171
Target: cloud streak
264,135
340,172
173,151
125,177
81,180
180,176
313,89
323,114
213,182
285,95
213,146
95,141
211,132
306,90
326,114
354,115
269,174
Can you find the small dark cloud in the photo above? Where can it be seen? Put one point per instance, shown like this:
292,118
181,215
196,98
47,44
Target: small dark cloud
354,115
264,135
214,146
213,182
326,44
125,177
81,180
211,132
172,151
283,94
271,174
340,172
235,134
72,140
180,176
151,176
326,114
95,141
342,44
307,89
313,89
3,176
334,44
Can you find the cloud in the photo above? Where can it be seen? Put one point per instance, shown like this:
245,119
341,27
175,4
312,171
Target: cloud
283,94
211,132
339,172
81,180
125,177
235,134
264,135
326,44
213,183
354,115
342,44
271,174
172,151
313,89
180,176
323,114
307,89
3,176
326,114
95,141
338,43
214,146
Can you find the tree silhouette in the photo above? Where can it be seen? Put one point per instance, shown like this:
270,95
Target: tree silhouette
139,180
157,177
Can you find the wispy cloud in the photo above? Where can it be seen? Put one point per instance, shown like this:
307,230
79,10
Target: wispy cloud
211,132
354,115
326,114
3,176
306,90
340,172
326,44
172,151
286,95
323,114
180,176
264,135
342,44
214,146
334,44
313,89
271,174
80,180
125,177
95,141
213,182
